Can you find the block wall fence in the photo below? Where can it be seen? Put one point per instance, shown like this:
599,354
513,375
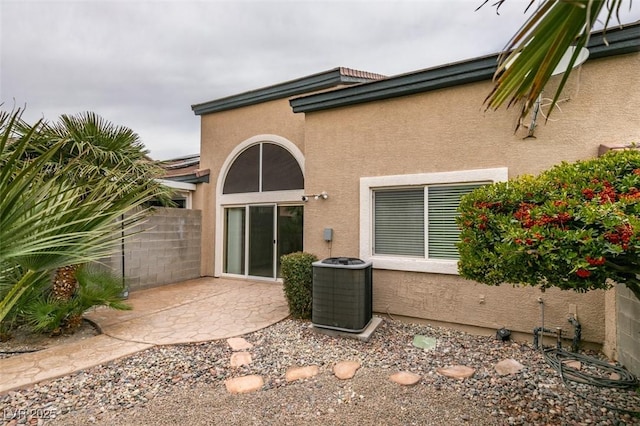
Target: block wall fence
164,249
628,323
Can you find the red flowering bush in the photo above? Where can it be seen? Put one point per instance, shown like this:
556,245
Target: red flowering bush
574,227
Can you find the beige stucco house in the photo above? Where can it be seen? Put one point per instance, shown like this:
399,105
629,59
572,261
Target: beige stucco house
367,141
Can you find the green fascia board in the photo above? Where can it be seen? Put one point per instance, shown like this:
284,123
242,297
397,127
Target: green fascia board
615,42
401,85
620,41
192,178
320,81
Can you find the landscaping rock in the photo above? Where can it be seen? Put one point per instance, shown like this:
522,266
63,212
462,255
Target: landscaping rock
405,378
298,373
508,366
346,369
239,359
244,384
456,371
424,342
159,382
239,344
576,365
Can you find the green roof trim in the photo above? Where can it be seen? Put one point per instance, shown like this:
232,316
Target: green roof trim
315,82
618,42
191,178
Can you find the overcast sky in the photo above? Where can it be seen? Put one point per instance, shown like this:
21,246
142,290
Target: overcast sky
143,63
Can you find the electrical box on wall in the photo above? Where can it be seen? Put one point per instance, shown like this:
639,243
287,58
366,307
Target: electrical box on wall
328,234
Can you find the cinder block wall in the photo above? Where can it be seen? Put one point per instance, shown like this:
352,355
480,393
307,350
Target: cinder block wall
165,249
628,329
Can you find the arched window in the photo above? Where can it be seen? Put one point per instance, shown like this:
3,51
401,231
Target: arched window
263,167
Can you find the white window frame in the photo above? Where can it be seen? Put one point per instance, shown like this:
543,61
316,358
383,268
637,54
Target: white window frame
184,189
412,264
239,199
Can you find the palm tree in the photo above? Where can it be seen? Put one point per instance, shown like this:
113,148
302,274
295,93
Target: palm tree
537,48
63,190
95,148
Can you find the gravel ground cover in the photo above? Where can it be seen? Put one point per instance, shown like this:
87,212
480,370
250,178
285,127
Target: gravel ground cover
184,384
23,340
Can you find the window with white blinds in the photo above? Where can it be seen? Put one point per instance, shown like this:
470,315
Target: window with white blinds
442,232
408,222
399,221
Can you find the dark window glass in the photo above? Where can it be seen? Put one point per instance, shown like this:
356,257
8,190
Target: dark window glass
243,176
290,231
280,170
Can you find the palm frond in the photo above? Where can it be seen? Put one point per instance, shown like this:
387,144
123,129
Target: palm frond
99,288
530,57
46,314
63,191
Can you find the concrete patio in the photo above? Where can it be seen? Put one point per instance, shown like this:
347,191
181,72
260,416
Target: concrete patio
188,312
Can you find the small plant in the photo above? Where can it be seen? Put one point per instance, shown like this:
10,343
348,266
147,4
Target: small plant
297,274
50,314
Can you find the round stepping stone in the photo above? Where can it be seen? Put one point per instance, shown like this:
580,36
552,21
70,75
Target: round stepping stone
405,378
346,369
456,371
239,344
244,384
508,366
240,358
298,373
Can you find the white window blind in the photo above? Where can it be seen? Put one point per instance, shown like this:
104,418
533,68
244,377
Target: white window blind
399,222
442,208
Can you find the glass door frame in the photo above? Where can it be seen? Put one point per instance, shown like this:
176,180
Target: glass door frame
250,256
246,234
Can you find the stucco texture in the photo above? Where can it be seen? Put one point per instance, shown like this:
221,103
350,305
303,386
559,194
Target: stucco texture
221,133
438,131
448,130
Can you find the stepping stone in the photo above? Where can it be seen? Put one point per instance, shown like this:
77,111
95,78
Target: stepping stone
508,366
240,358
244,384
569,367
575,364
424,342
298,373
456,371
346,369
405,378
239,344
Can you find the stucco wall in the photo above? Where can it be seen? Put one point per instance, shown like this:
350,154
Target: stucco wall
443,130
220,133
448,130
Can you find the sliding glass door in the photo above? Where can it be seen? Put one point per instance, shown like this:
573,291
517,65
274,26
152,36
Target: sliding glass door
290,221
261,241
257,235
234,225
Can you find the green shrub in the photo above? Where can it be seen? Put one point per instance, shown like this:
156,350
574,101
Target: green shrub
575,226
95,288
297,274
